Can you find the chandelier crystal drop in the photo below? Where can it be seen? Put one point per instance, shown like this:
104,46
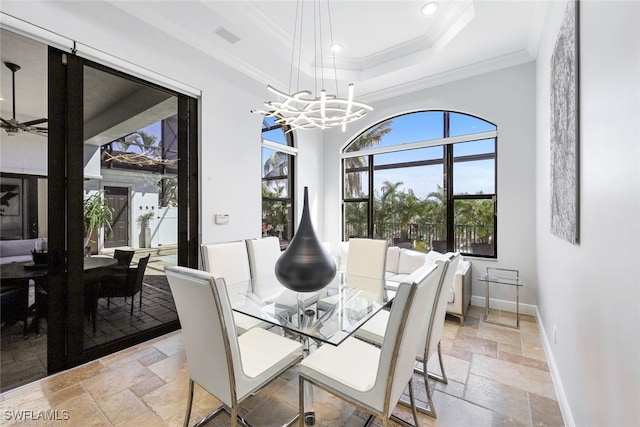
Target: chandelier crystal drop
302,109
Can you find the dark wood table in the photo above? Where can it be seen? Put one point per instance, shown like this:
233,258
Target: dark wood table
16,274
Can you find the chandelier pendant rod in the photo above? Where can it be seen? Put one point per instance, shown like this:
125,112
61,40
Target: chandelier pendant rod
304,109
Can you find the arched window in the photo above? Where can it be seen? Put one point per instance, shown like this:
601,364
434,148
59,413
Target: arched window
424,180
278,155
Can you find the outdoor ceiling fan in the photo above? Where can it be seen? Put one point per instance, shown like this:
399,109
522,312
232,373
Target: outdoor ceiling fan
14,127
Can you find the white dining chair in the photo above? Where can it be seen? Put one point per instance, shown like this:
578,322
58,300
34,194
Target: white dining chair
370,377
263,255
228,366
373,331
230,260
366,258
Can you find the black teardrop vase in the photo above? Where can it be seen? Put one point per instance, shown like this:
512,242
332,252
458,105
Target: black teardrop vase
305,266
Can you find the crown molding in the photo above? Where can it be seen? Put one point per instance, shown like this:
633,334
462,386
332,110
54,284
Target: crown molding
494,64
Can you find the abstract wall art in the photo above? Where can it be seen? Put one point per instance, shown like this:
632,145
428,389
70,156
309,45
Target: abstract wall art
564,129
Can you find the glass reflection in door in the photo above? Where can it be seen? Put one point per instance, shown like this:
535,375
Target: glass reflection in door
130,204
23,210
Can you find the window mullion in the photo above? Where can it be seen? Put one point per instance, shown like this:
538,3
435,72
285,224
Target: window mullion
371,201
448,181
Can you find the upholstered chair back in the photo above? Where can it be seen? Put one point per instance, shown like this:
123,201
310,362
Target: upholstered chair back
437,324
263,255
367,258
207,329
229,260
411,308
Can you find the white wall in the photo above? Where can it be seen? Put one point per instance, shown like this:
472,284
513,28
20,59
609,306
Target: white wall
24,154
591,291
506,98
229,132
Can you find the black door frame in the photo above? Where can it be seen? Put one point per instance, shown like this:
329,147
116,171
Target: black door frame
65,323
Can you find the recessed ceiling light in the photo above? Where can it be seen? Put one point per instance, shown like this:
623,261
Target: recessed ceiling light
336,47
429,8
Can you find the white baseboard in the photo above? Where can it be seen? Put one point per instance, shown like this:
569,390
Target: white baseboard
504,305
557,383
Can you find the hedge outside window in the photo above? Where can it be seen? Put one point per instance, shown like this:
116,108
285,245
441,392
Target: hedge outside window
395,183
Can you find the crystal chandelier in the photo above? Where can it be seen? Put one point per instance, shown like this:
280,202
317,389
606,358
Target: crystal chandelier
304,109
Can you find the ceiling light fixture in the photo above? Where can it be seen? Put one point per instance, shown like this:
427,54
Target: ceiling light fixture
304,109
335,47
429,8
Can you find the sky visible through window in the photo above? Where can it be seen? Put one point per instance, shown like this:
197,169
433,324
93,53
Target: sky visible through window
470,177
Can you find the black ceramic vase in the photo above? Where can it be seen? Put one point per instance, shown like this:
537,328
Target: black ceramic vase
305,266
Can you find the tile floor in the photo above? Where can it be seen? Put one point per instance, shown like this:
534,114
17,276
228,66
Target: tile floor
497,377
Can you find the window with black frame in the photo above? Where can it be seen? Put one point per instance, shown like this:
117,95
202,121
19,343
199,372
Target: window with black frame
395,183
278,155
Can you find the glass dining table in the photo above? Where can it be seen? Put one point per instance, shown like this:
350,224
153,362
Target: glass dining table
328,316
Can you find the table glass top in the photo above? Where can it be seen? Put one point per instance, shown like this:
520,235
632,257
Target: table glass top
513,281
329,315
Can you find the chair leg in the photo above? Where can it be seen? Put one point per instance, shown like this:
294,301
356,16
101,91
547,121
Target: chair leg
234,416
442,378
413,402
189,403
140,306
414,410
131,313
301,401
432,409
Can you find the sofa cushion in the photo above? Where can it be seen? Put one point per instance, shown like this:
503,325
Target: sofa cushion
432,256
393,257
410,261
16,250
400,277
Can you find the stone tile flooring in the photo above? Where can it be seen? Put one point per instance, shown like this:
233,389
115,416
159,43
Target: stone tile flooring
497,377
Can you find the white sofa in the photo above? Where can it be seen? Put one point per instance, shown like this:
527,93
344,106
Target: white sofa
402,262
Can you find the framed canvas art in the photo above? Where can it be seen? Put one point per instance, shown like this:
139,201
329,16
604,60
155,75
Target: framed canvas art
10,196
564,128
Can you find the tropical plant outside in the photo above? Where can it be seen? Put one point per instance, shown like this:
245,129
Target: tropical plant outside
96,213
404,218
276,205
401,216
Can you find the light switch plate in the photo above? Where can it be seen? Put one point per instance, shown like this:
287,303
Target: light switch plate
222,219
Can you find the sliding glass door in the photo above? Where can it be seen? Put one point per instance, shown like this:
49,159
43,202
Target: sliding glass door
23,207
123,156
113,167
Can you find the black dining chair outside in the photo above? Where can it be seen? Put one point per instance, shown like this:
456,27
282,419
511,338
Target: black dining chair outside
124,257
14,305
91,295
126,284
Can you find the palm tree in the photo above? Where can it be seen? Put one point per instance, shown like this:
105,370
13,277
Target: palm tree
408,211
275,213
384,207
355,214
371,138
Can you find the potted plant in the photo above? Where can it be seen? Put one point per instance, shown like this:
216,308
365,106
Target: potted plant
145,231
96,215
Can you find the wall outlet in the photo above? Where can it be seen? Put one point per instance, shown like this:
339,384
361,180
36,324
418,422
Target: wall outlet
555,334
